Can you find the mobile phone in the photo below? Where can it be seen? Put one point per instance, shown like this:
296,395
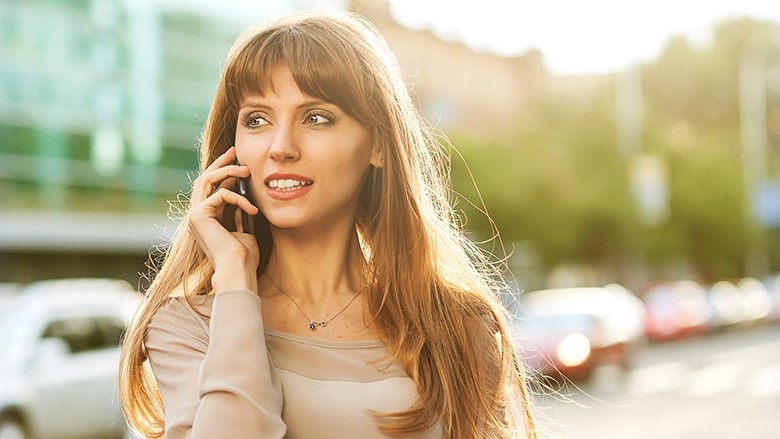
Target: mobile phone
242,187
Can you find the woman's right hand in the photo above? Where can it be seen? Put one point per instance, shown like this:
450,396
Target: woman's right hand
233,255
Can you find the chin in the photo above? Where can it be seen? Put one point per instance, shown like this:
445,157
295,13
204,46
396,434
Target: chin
289,218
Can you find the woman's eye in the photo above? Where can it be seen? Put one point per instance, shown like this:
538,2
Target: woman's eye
318,119
254,121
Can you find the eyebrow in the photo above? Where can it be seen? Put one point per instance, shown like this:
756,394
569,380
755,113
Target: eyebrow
254,103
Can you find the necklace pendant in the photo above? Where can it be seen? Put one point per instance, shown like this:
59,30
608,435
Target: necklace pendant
312,326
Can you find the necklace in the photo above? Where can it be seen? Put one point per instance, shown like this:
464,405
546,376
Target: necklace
313,325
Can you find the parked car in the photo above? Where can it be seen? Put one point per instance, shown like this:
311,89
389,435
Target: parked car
748,301
676,310
726,304
8,292
59,356
756,298
773,287
573,331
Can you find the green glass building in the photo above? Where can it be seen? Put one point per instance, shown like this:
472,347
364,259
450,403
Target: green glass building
101,106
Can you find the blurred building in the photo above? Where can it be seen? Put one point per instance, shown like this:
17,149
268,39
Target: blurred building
102,103
458,88
469,92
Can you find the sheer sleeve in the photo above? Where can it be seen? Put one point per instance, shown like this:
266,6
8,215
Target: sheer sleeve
214,374
487,348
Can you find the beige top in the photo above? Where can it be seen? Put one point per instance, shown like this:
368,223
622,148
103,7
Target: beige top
223,375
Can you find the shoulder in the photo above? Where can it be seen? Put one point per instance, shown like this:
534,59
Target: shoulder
181,320
192,310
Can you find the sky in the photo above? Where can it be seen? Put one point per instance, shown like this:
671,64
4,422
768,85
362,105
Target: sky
574,36
577,37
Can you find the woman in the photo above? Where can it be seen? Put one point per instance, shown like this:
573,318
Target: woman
354,306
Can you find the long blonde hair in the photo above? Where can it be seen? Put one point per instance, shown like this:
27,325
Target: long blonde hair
433,295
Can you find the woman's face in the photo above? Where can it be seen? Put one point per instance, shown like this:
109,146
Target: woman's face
307,157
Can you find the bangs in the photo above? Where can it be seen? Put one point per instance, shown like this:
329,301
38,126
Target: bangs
321,63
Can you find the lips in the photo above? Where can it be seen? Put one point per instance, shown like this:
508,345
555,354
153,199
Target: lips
287,186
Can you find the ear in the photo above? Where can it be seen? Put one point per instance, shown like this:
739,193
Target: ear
377,158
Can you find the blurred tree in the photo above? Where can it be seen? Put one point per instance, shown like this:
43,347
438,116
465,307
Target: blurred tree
559,182
692,118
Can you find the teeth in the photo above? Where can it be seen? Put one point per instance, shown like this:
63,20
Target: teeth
287,184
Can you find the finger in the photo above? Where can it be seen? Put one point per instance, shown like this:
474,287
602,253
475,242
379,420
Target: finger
211,181
226,196
205,220
228,183
211,209
223,159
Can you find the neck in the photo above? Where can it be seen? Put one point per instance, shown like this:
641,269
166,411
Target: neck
317,269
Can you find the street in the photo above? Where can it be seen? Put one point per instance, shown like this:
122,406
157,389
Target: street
723,385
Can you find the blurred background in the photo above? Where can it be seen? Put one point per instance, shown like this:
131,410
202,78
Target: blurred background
634,179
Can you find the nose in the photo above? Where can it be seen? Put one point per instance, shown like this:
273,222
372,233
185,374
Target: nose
283,145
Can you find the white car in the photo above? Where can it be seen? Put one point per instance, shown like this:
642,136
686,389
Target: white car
59,357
